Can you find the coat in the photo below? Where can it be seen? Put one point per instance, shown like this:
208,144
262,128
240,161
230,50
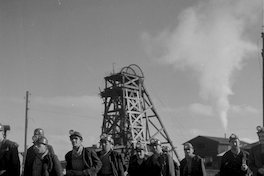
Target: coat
30,157
50,166
160,165
255,159
231,165
117,162
197,167
90,159
9,159
136,169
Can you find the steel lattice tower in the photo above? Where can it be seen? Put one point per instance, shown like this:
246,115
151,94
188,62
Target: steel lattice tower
129,114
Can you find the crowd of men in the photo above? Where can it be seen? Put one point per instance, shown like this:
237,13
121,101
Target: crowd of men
41,160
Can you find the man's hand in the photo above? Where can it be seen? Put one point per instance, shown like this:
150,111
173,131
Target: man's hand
70,173
244,167
86,172
2,171
261,170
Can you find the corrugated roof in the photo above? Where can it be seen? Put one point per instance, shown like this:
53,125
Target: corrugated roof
220,140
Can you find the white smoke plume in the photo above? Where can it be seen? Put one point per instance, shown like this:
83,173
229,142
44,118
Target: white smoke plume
212,40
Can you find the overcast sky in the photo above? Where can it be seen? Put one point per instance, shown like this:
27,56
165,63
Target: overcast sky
201,61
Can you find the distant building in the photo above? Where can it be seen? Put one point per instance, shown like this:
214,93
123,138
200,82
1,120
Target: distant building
211,149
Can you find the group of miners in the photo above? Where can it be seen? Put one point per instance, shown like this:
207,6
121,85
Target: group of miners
41,160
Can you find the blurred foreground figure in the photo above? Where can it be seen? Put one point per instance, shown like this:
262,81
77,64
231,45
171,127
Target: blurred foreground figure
113,161
159,164
45,163
31,154
256,155
81,161
9,159
137,162
191,165
234,161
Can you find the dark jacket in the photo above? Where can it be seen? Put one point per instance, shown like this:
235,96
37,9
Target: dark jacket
30,157
159,165
231,165
90,159
136,169
117,162
197,167
50,166
9,159
255,159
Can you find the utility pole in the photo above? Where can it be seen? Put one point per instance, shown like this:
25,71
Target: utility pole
262,53
262,35
26,126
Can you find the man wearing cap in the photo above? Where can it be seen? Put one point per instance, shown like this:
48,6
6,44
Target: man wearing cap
9,159
31,154
45,163
191,165
234,161
166,154
157,163
81,161
113,161
256,155
137,162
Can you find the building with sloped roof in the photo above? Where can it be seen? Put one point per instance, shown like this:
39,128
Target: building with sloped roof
210,147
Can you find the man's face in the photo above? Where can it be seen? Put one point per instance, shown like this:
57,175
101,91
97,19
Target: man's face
1,136
76,141
261,138
140,153
106,145
188,152
235,144
156,149
40,148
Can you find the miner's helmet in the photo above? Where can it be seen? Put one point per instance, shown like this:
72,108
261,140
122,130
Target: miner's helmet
232,137
2,128
42,140
38,132
105,137
154,142
75,134
187,146
260,130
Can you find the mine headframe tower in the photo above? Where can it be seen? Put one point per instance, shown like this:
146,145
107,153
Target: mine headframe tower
129,114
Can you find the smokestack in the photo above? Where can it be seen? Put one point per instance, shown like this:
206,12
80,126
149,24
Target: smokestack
225,135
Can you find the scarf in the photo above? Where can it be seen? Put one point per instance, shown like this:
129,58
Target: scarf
77,151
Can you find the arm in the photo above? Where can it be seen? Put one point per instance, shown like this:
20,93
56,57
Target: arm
15,168
252,161
203,168
57,166
171,166
95,165
222,166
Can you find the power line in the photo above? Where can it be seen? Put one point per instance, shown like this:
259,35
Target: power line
55,112
171,116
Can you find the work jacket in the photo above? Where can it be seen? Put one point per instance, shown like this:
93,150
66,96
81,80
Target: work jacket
117,162
9,159
90,160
